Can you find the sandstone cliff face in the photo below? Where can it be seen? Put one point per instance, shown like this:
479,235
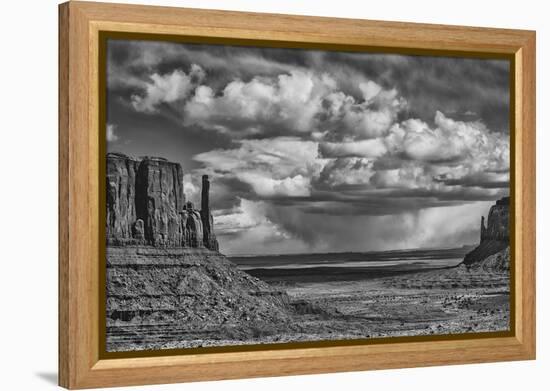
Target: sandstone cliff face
495,237
497,222
193,223
146,205
159,201
121,210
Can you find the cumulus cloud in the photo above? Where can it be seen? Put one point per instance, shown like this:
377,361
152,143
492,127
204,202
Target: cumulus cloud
415,155
296,186
372,148
167,88
321,149
191,187
262,105
243,217
452,85
348,171
453,160
299,103
371,117
450,140
280,166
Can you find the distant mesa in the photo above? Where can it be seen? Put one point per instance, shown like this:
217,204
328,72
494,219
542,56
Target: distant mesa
146,205
495,236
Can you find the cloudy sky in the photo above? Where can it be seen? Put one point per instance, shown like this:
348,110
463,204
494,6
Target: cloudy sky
312,151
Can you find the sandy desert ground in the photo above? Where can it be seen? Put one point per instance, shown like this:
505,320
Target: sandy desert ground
435,302
447,301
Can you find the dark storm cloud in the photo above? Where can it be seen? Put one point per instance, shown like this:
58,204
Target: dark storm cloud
316,148
355,200
464,88
476,181
320,232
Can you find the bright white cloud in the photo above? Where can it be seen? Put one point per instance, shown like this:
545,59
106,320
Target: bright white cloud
453,157
280,166
296,102
374,116
366,148
334,135
301,103
450,140
167,88
246,229
296,186
408,176
313,142
441,159
347,171
190,189
261,105
370,89
245,216
111,136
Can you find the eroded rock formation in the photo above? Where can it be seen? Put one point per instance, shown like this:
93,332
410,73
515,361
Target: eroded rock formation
497,222
159,199
495,237
206,217
121,193
146,205
496,263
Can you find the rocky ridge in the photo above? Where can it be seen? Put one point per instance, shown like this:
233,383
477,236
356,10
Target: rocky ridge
193,290
496,263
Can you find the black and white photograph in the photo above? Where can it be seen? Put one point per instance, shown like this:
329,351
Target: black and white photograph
259,195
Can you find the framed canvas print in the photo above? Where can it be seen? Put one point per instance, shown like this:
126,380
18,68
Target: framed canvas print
248,195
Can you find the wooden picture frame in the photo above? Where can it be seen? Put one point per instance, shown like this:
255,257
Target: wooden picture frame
81,364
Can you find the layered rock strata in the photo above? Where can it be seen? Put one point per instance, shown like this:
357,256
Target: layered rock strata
160,297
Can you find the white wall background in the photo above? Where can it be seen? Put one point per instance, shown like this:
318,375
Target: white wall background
28,194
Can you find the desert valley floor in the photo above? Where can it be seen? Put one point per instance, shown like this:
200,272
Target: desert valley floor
450,300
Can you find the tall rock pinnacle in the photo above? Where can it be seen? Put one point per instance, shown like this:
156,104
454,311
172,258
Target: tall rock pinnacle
205,203
206,217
